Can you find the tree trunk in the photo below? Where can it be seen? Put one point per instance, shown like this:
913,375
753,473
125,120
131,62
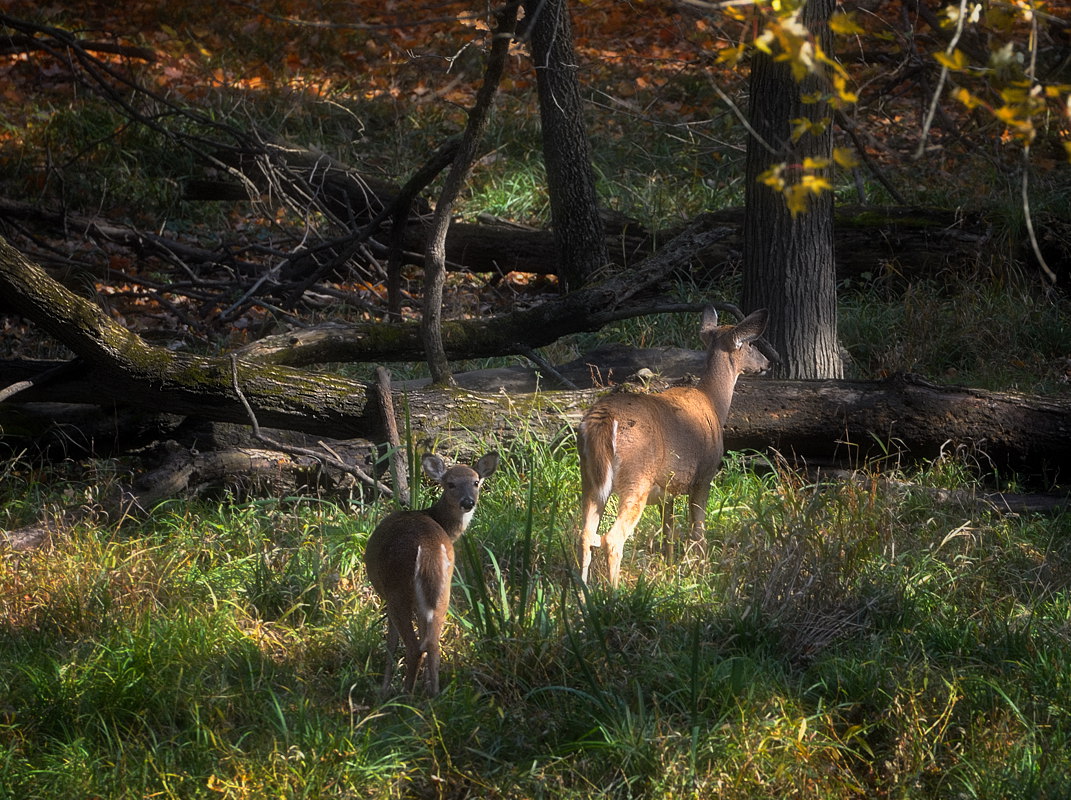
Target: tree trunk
566,150
435,259
828,421
788,260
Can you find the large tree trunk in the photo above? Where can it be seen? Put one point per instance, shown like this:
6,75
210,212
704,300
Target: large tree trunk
788,257
566,151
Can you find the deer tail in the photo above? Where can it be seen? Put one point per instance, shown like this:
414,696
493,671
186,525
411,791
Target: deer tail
598,440
431,579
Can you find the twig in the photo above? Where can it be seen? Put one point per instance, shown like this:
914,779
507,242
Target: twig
1031,234
40,379
332,460
545,366
390,422
928,122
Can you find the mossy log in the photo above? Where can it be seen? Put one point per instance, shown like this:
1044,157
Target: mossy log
849,420
120,367
846,422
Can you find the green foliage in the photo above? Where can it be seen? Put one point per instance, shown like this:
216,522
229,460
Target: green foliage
986,331
851,638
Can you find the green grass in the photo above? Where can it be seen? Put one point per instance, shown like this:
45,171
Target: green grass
841,640
994,332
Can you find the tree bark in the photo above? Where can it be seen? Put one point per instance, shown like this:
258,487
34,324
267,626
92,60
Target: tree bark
431,332
788,260
846,419
574,212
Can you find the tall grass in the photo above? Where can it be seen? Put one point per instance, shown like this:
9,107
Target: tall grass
841,639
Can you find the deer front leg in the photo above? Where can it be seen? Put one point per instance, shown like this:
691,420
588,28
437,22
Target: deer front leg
697,513
668,534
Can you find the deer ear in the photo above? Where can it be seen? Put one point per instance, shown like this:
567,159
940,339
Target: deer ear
487,465
751,327
710,320
709,325
434,466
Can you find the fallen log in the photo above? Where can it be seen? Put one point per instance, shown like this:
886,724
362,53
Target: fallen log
903,418
847,420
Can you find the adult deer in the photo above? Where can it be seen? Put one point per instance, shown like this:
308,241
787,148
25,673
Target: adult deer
650,448
410,561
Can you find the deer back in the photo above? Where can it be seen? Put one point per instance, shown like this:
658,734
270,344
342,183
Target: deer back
674,438
406,550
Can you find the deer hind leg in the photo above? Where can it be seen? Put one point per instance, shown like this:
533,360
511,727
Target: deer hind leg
392,649
628,516
430,631
589,533
400,624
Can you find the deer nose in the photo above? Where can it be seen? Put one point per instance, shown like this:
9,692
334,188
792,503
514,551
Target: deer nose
467,503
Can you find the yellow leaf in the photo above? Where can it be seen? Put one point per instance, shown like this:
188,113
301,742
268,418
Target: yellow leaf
1067,147
845,157
731,55
1016,93
796,199
968,99
802,126
1007,115
841,85
815,163
956,61
845,24
815,184
772,178
763,41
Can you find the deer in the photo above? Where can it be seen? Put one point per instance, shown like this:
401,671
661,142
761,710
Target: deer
409,559
649,448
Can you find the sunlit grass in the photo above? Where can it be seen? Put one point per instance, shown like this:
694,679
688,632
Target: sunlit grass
853,637
839,639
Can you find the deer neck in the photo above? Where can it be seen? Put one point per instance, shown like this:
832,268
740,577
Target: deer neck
450,519
718,384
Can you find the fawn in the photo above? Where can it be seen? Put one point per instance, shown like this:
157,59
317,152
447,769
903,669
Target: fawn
649,448
410,561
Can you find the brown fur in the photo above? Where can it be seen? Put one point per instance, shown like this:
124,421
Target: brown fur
649,448
410,562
